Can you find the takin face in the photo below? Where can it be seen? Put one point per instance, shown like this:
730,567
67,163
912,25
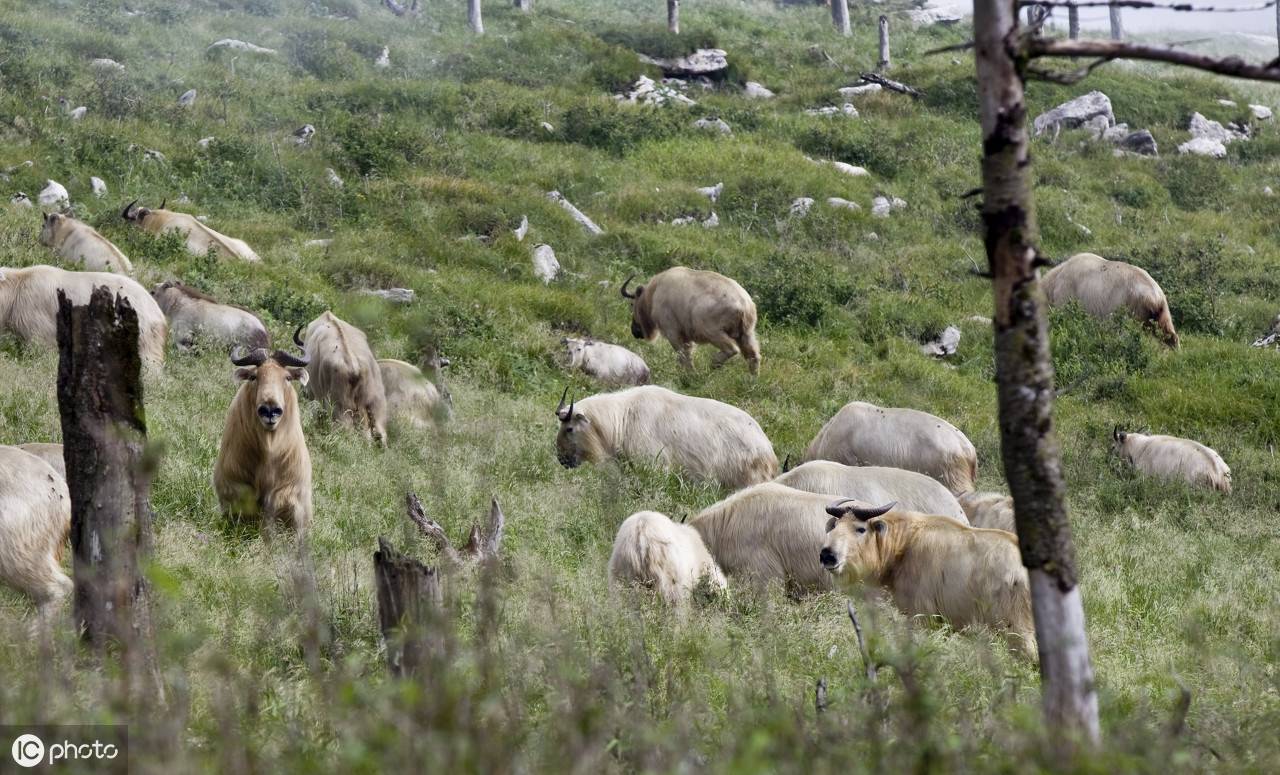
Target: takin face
849,551
270,377
573,446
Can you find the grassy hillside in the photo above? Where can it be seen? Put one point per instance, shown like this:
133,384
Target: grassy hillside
442,153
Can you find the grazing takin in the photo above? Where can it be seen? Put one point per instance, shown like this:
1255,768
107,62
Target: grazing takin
932,566
863,434
411,396
345,374
698,436
35,522
768,532
1169,457
49,453
690,306
876,484
29,305
193,316
992,510
654,551
1103,286
609,363
264,468
200,238
76,242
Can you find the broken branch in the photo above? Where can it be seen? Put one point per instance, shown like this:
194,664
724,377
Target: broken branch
892,85
1110,49
862,646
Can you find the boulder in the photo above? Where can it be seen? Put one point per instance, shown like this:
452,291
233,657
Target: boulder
857,91
713,124
107,65
711,221
1074,113
946,343
925,17
333,178
393,295
523,229
54,194
239,45
1260,112
880,207
1203,146
757,91
204,142
712,192
1227,103
98,185
545,265
704,61
20,200
384,59
317,243
844,204
188,98
1203,128
1141,142
800,206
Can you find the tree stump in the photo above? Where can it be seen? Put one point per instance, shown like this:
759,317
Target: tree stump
883,64
840,17
410,602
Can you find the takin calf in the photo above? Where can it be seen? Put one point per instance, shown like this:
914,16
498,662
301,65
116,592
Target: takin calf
29,305
863,434
76,242
411,396
1103,286
1169,457
690,306
991,510
709,440
200,238
193,316
35,522
264,468
609,363
933,566
653,551
345,374
875,484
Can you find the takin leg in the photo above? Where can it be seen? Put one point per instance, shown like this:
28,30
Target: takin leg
750,350
48,593
727,347
684,352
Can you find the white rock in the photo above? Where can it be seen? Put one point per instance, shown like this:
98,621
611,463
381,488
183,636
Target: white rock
317,243
849,169
393,295
711,221
946,344
924,17
575,213
303,134
835,201
75,114
714,124
545,265
897,204
757,91
188,97
800,206
53,195
872,237
846,109
522,229
20,200
332,176
683,220
240,45
881,206
980,319
98,185
646,92
712,192
1096,127
182,199
1203,146
384,59
1266,190
1074,113
1261,112
153,156
1203,128
1227,103
849,92
204,141
704,61
546,125
202,218
107,65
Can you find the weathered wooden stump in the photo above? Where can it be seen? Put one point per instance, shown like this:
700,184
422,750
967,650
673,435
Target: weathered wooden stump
410,603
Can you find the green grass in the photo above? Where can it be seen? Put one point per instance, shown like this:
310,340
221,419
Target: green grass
442,154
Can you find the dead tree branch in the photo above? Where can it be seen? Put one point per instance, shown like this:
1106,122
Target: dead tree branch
1066,77
1184,7
820,696
862,645
1110,49
481,546
892,85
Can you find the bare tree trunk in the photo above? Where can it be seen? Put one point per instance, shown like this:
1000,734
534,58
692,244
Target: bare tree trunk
104,434
1117,31
840,17
473,17
673,17
883,64
525,6
409,609
1024,375
1073,22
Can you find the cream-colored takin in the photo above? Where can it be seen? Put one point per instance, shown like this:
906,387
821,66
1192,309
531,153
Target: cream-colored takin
991,510
1169,457
1103,286
933,566
413,398
706,439
194,316
76,242
345,374
35,521
875,484
691,306
768,532
200,238
609,363
670,558
264,469
863,434
29,305
49,453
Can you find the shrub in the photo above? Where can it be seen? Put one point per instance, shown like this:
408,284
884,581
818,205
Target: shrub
1190,272
324,56
1095,353
602,123
795,291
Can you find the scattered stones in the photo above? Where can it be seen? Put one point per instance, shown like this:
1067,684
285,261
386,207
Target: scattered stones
925,17
1261,112
712,192
646,92
1074,113
98,185
522,229
800,206
711,221
333,178
713,123
946,344
545,265
188,98
54,194
182,199
204,141
881,206
1201,127
1203,146
20,200
575,213
846,109
107,65
392,295
1141,142
683,220
239,45
857,91
303,134
704,61
835,201
384,59
757,91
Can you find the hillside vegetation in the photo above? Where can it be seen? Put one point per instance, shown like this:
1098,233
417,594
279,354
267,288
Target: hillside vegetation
442,153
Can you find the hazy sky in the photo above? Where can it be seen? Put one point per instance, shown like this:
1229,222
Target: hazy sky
1261,22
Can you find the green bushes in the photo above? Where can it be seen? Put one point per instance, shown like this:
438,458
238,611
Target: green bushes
1097,357
600,122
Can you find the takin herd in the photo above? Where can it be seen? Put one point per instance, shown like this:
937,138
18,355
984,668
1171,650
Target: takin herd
883,496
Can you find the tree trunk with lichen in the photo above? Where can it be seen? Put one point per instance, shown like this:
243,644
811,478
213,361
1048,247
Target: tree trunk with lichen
1024,375
673,17
409,610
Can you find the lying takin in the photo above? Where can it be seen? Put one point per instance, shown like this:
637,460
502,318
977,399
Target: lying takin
670,558
345,374
1169,457
863,434
76,242
200,238
29,305
609,363
689,307
35,522
933,566
1103,286
991,510
706,439
876,484
264,469
412,397
194,316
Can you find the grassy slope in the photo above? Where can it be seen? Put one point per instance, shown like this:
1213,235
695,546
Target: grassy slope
445,148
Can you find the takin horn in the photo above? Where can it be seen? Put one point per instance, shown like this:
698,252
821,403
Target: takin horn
288,359
163,202
254,358
839,509
128,209
623,289
1116,433
298,339
560,408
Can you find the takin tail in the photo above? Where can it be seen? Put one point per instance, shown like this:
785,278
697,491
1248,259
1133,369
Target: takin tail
1163,322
